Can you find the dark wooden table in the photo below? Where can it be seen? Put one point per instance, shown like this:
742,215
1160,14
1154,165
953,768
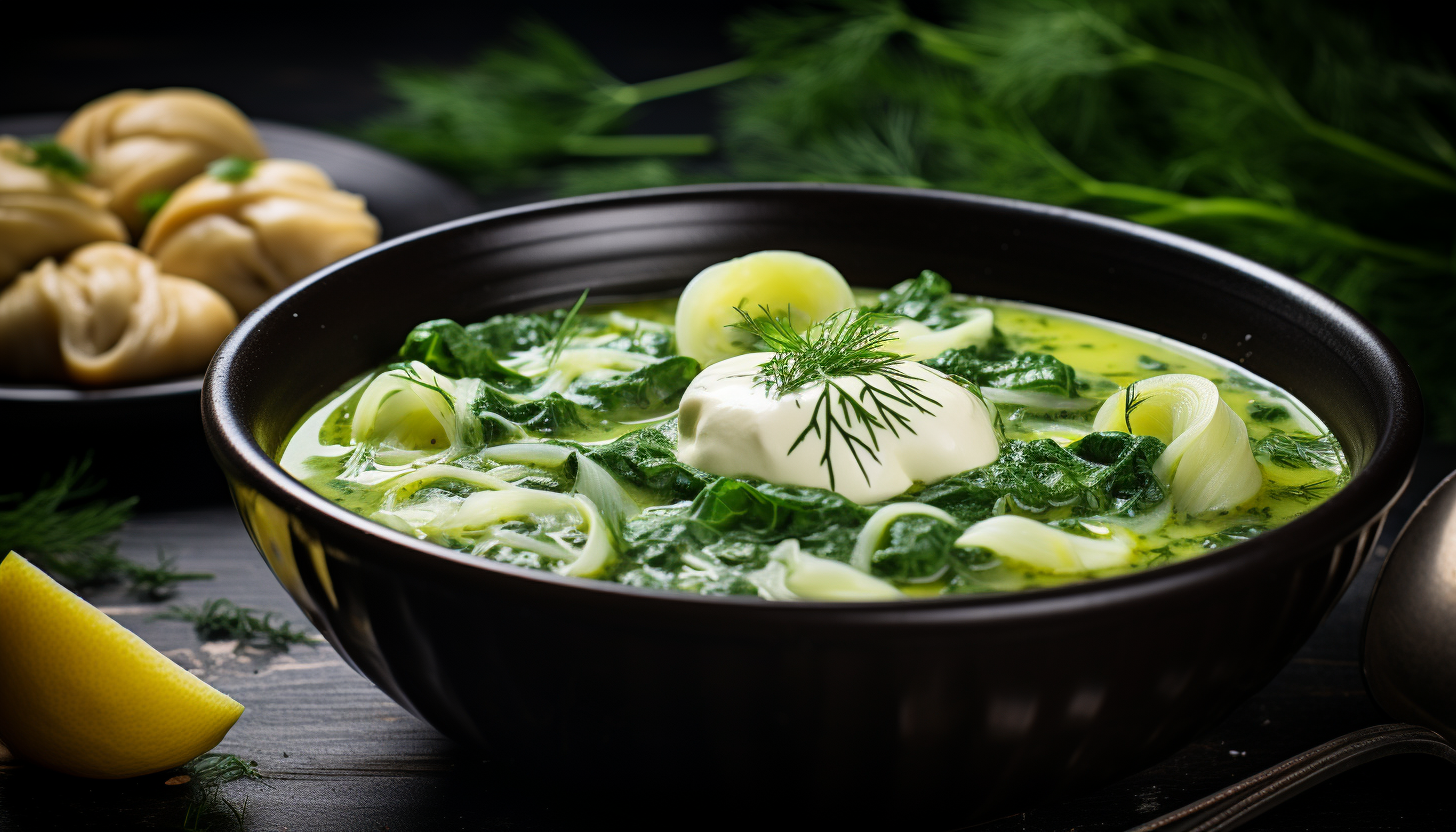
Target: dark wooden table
339,754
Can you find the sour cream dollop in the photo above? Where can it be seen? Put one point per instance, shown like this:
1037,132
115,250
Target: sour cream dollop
732,426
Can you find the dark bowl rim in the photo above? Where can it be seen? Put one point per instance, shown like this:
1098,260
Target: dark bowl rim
1387,472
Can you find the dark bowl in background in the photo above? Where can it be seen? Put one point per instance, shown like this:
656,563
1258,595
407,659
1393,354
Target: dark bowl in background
933,710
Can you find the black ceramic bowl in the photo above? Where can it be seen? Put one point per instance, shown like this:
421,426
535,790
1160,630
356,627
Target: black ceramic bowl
962,706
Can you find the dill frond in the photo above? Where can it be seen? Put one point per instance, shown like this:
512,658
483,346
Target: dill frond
220,619
206,805
64,532
157,583
847,344
566,331
1305,492
1298,449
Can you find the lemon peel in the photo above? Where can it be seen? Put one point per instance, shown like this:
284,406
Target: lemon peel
83,695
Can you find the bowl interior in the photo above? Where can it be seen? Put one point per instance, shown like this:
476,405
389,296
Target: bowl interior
355,314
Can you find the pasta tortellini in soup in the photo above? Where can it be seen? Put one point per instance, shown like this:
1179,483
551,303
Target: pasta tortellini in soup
45,213
250,229
108,316
140,143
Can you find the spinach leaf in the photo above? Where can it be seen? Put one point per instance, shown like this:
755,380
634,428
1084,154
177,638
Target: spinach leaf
505,334
550,415
1102,473
657,343
998,366
643,393
926,298
916,547
647,459
449,348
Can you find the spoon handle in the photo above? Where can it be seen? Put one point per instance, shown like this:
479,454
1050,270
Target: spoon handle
1248,798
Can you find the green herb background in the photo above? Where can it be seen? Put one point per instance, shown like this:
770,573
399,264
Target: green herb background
1287,132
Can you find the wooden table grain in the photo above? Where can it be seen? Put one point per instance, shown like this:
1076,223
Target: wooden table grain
340,755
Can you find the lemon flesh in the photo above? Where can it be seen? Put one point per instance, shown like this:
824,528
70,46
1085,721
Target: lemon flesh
805,288
81,694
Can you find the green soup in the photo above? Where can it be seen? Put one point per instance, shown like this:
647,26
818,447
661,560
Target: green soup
550,441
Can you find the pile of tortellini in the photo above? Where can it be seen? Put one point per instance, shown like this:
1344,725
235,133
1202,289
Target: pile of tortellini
218,228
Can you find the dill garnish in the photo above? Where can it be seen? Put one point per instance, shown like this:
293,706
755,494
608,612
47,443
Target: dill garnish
413,375
564,333
1132,402
1305,492
220,619
1298,449
847,344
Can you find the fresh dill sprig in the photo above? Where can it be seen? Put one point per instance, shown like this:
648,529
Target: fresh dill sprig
64,532
844,345
1299,135
1298,449
1132,401
206,775
413,375
566,331
220,619
847,343
1305,492
157,583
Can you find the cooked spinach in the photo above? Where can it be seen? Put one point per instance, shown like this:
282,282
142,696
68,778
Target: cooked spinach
1102,473
926,298
998,366
643,393
647,459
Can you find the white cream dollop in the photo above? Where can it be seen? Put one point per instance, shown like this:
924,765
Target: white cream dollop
730,425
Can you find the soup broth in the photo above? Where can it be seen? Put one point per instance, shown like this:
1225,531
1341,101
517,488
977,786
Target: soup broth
552,441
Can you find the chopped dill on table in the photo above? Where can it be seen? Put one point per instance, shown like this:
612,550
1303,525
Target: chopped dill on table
206,807
1303,136
63,528
222,620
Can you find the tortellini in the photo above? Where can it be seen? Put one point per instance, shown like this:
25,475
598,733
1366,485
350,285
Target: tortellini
44,213
1208,463
1045,548
254,231
140,143
108,316
804,288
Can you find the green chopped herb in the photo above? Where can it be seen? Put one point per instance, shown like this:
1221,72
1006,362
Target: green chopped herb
231,169
151,202
220,619
1265,412
1150,363
846,344
59,160
1298,449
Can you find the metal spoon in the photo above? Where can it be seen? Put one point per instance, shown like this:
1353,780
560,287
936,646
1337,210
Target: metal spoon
1409,656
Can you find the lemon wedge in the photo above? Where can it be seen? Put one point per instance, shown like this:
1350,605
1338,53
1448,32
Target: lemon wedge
81,694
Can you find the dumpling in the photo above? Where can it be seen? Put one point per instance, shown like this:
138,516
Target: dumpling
45,213
250,230
1208,462
140,143
106,317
